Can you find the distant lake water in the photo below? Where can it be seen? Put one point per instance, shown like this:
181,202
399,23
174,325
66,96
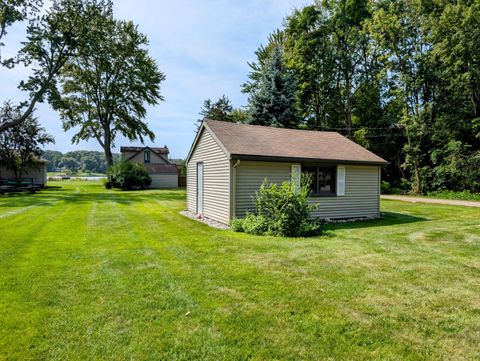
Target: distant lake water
90,177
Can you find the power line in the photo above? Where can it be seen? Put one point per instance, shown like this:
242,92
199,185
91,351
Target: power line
368,128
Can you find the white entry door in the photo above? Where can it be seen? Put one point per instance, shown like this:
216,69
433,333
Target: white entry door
199,188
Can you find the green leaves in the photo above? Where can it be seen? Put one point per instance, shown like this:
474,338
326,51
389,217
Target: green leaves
21,145
12,11
105,88
280,210
53,38
218,110
127,175
223,110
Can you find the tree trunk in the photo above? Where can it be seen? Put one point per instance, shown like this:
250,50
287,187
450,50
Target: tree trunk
348,109
416,189
107,148
17,176
109,157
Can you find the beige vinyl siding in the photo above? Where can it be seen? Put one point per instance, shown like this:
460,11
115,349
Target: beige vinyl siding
361,199
249,177
165,180
38,173
216,179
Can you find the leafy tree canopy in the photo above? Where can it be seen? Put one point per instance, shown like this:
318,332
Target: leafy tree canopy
105,89
54,36
21,145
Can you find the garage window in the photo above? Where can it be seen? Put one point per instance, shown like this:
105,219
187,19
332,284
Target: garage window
323,180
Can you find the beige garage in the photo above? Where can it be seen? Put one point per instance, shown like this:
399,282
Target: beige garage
228,162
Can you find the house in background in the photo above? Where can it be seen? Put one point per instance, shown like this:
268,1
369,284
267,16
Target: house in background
228,162
163,173
37,172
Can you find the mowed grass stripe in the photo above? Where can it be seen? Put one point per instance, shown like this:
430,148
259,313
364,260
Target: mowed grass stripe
34,266
113,270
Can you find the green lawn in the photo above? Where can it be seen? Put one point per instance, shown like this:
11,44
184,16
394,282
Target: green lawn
87,274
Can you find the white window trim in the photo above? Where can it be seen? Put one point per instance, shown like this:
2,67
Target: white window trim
341,173
296,175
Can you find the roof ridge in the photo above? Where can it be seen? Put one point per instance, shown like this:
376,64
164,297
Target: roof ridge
275,128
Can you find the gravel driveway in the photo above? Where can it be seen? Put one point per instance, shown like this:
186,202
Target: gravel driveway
450,202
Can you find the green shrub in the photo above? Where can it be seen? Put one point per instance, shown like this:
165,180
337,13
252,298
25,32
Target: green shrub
126,175
256,224
387,188
106,182
464,195
280,210
237,225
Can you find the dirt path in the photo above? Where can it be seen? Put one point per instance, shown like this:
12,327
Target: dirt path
450,202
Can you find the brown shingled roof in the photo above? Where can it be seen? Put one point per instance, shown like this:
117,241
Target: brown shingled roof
253,141
163,150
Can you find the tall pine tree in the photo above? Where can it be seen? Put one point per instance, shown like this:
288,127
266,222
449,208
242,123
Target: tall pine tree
272,103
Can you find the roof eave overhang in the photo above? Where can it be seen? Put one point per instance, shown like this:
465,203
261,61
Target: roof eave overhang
304,160
194,144
202,128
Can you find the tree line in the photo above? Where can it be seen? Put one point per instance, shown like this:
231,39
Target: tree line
401,78
85,161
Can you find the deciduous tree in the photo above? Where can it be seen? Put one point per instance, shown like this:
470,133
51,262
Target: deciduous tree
21,145
223,110
52,39
105,88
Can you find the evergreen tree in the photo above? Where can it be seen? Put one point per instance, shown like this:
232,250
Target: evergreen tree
222,110
218,110
273,102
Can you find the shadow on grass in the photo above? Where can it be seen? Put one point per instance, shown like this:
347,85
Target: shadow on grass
388,219
51,196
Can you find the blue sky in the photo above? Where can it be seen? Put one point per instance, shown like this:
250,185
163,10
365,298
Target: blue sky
201,45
